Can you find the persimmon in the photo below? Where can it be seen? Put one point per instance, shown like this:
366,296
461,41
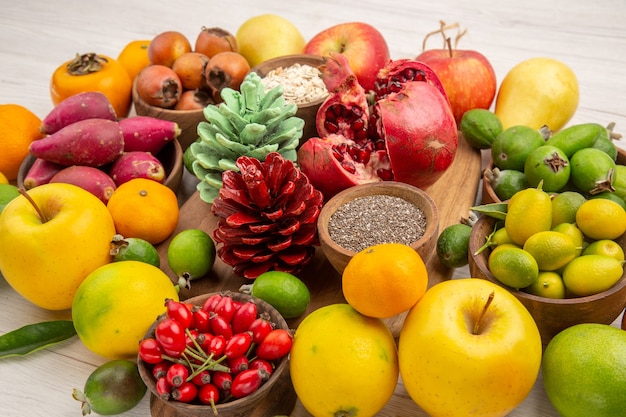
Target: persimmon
190,68
167,46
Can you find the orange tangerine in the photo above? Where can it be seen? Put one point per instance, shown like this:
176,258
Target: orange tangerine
20,127
134,56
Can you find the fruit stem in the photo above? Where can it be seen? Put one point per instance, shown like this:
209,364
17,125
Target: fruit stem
482,313
40,213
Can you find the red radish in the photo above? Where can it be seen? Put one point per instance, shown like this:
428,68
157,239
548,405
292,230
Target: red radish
40,172
81,106
147,134
136,165
90,142
94,180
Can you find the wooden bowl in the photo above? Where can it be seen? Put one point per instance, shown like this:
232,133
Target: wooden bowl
276,395
187,119
551,315
339,256
308,111
171,156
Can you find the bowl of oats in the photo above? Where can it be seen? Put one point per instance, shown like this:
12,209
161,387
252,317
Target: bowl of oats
300,77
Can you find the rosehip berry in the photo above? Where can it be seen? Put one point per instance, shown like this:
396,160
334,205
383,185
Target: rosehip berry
244,316
222,380
163,388
202,378
246,382
225,308
177,374
150,351
171,335
238,345
179,312
185,393
209,394
210,303
216,346
160,369
219,326
201,320
275,345
260,328
238,364
259,363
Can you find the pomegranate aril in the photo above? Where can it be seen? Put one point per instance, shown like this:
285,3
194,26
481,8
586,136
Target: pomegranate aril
348,166
385,174
331,127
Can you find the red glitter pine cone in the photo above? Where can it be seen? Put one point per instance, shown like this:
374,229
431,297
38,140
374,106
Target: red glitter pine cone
268,217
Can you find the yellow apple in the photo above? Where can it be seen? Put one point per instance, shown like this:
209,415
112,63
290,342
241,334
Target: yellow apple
46,260
463,352
268,36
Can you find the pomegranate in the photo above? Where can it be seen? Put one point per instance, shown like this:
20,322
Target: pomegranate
406,133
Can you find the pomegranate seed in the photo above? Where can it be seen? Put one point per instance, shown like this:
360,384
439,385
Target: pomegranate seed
348,166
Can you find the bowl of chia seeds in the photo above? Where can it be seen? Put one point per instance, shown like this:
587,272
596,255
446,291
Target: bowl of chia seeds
375,213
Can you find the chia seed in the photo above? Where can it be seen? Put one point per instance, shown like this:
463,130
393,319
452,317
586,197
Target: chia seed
376,219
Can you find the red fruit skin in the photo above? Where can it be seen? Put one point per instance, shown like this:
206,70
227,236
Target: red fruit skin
467,77
158,85
91,142
147,134
94,180
81,106
136,164
40,172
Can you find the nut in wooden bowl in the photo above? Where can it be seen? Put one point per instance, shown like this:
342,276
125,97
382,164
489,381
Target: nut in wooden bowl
551,315
402,206
299,75
275,396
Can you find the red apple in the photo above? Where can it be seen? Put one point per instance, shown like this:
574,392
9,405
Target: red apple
466,75
363,45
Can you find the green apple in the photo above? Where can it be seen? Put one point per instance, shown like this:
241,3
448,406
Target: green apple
268,36
7,193
584,371
50,244
469,348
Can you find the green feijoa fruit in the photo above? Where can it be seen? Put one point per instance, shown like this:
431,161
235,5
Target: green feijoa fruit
134,249
619,180
592,171
506,182
576,137
480,127
282,290
453,245
511,148
113,388
548,164
188,159
191,255
610,196
606,145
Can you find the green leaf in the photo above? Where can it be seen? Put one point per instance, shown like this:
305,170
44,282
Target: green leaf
33,337
496,210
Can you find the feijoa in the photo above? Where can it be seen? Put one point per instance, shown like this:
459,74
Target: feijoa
549,164
576,137
510,149
480,127
134,249
453,245
506,182
113,388
190,255
592,171
282,290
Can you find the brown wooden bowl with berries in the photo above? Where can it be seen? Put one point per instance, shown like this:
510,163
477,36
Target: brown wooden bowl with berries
274,396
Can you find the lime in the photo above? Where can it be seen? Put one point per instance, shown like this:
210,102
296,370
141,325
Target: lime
282,290
480,127
591,274
549,284
190,255
511,148
529,211
571,230
506,182
7,193
514,267
453,244
565,205
502,246
547,164
592,171
552,250
134,249
601,219
605,247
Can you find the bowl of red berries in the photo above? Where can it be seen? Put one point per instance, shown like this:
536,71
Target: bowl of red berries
223,353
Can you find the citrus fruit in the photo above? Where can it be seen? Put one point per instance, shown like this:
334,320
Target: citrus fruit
452,245
480,127
384,280
591,274
605,247
145,209
552,250
282,290
511,148
538,92
134,249
528,212
500,237
601,219
190,255
117,303
7,193
514,267
571,230
610,196
3,179
591,171
565,205
20,127
506,182
548,284
549,165
343,363
584,371
134,57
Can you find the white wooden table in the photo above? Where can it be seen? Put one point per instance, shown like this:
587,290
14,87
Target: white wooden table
37,36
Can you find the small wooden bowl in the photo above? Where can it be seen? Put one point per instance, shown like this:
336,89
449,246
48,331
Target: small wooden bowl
339,256
307,112
551,315
171,156
275,396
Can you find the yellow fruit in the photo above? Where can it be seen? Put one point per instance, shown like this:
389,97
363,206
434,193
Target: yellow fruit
116,305
601,218
571,230
3,179
591,274
134,57
552,250
564,206
529,211
343,363
384,280
503,246
500,237
549,284
514,267
605,247
144,209
537,92
20,127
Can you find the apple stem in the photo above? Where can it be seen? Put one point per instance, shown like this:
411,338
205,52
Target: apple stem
449,45
483,312
446,40
42,216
